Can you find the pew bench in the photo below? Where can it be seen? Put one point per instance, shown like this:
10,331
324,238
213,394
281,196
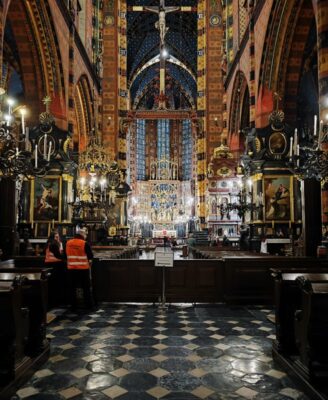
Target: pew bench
23,343
311,327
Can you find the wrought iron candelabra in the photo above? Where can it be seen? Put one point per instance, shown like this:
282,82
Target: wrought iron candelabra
308,159
17,157
241,206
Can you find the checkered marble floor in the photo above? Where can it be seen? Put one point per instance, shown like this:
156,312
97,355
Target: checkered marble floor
144,353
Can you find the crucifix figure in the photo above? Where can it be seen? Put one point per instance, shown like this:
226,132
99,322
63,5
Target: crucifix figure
162,10
161,23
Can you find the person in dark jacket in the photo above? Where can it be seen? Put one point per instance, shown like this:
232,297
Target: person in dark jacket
55,259
79,259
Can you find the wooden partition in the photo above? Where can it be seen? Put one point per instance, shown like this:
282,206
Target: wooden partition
140,280
234,280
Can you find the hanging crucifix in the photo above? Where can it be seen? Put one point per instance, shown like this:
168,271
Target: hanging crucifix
162,10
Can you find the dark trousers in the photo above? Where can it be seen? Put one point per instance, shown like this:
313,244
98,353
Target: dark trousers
80,279
57,284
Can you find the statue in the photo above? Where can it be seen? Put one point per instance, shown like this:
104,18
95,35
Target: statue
161,23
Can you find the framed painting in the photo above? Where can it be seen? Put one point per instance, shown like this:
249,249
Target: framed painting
278,198
42,230
46,199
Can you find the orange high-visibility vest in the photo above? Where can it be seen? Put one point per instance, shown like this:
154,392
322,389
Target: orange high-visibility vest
50,257
76,255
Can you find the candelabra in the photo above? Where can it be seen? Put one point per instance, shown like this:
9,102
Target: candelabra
241,206
17,158
307,159
100,181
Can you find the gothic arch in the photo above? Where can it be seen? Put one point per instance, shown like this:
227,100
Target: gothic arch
84,113
239,106
288,29
29,26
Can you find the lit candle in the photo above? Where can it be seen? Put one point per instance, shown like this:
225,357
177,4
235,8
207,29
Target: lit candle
36,156
23,112
17,151
295,140
315,125
49,151
291,147
45,146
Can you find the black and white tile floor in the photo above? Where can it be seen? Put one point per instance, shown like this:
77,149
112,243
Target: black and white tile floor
144,353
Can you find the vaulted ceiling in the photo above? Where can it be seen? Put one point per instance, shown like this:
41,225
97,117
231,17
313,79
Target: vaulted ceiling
143,55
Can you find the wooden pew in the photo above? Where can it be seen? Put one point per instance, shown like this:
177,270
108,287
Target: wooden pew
311,327
14,325
34,298
288,299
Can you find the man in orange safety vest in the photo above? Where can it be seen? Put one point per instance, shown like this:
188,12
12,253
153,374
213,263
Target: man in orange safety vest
79,258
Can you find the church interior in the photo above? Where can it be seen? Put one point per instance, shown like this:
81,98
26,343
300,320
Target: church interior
184,143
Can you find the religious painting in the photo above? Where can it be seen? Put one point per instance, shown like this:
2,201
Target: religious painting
46,199
277,190
277,143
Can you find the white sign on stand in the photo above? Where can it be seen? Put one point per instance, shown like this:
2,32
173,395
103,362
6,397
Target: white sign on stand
164,259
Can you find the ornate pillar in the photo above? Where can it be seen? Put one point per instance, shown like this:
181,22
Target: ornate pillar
109,81
123,102
67,197
201,110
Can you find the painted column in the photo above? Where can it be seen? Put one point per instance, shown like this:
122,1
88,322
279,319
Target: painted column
252,110
201,110
123,101
110,71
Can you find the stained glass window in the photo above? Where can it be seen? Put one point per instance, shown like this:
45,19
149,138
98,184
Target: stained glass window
186,150
163,139
141,150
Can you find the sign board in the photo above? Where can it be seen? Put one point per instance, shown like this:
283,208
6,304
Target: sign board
164,259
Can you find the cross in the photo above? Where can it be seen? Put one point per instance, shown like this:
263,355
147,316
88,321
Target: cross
162,10
47,101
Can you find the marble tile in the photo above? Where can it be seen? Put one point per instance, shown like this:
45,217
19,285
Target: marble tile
114,391
202,392
158,392
70,392
27,391
247,393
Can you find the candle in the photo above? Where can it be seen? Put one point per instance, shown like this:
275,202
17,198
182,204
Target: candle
53,223
315,126
32,224
272,224
17,151
45,146
36,156
27,137
23,121
295,140
298,153
49,151
291,147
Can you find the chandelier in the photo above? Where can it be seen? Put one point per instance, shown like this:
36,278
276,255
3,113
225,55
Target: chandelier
17,156
307,159
100,181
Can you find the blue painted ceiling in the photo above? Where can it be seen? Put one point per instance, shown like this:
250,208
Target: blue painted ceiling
143,46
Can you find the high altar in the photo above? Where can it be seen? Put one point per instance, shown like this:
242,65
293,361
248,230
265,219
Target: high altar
164,202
